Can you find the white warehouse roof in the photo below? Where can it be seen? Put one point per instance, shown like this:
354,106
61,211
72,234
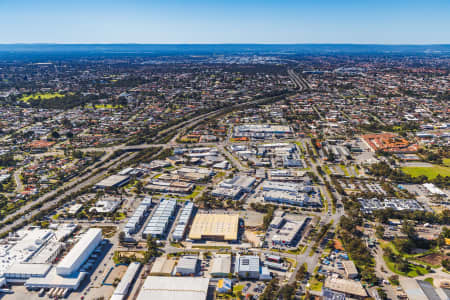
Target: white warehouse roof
123,287
80,252
174,288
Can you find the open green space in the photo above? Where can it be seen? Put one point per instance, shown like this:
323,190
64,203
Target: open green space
405,255
43,96
430,172
414,270
195,192
446,161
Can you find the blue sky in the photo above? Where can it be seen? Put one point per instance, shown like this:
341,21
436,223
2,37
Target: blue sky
232,21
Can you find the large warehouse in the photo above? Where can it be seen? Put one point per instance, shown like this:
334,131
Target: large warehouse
80,252
113,181
174,288
218,227
66,275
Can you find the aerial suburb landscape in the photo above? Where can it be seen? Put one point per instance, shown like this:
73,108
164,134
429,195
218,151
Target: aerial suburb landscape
230,150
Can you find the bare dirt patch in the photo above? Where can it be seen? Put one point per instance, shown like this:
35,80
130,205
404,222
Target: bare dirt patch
434,258
117,272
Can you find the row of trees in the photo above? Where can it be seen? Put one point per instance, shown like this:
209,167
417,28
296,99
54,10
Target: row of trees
353,243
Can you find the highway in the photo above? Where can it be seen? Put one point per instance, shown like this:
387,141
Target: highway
301,83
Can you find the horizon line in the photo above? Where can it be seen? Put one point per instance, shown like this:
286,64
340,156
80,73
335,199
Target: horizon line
220,43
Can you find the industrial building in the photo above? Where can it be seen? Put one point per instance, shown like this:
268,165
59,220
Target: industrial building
221,265
30,253
20,272
162,186
297,199
66,276
126,282
233,188
194,173
221,227
350,269
261,131
161,219
434,190
228,193
80,252
224,285
275,266
292,163
277,222
74,209
289,176
113,181
135,221
328,294
21,247
288,187
162,266
284,147
174,288
187,265
106,206
350,288
238,182
369,205
289,234
183,221
423,290
248,267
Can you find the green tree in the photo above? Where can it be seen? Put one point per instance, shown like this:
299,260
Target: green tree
379,231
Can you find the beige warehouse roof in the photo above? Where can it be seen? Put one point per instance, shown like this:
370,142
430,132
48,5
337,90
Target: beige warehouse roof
345,286
215,225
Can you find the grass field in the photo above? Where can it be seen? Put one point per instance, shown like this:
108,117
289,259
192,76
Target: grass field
446,161
414,270
197,190
44,96
430,172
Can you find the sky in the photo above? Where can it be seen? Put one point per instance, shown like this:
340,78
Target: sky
231,21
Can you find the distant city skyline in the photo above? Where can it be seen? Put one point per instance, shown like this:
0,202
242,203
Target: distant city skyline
234,22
